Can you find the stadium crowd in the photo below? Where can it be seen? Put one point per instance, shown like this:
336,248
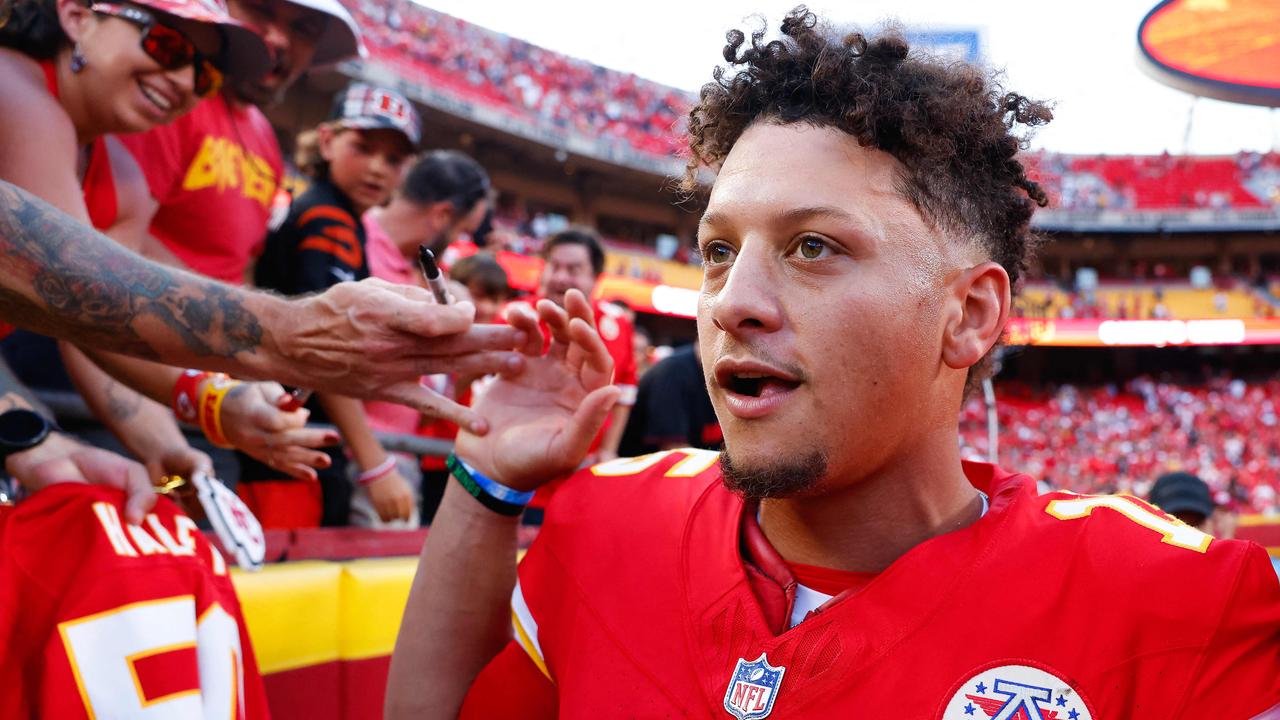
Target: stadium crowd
555,89
1120,439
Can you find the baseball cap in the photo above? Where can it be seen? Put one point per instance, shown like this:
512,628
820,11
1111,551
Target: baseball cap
340,39
1179,492
366,107
244,54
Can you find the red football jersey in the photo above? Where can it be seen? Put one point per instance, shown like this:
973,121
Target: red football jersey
1052,607
214,172
100,619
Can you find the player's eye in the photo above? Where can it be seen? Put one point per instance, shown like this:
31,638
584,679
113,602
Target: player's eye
812,247
716,253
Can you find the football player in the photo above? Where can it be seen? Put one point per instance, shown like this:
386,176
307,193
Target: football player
868,221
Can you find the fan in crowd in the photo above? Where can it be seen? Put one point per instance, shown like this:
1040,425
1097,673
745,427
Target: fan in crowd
372,132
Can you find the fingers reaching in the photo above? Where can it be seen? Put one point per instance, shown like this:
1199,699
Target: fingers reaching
588,355
575,438
433,404
557,321
523,319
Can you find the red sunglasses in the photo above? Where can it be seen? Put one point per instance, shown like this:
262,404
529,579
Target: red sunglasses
168,46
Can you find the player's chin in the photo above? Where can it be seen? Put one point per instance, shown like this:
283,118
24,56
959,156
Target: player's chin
759,471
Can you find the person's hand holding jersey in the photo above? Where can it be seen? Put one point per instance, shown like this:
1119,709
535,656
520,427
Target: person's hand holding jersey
542,419
61,458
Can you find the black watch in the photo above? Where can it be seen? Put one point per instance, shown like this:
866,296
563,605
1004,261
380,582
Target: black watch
22,429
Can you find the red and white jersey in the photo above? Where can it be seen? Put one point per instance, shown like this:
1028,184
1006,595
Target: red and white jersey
635,601
100,619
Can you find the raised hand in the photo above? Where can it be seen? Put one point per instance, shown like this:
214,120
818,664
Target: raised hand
253,421
542,419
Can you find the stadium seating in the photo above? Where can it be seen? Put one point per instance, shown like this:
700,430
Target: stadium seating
561,92
1110,439
1140,301
486,66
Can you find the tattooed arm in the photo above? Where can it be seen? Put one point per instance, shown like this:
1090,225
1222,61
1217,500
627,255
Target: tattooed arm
371,339
146,428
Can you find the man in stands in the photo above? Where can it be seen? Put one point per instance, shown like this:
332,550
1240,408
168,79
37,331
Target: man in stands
574,260
213,174
867,224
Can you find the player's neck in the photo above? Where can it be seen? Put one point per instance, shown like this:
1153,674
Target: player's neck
869,524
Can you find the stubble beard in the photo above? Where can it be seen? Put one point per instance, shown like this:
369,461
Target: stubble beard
782,478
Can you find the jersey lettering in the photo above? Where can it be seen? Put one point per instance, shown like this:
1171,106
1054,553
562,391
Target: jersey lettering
1172,531
222,164
109,519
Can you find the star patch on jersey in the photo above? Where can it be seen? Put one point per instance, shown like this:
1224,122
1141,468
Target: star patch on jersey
753,688
1016,692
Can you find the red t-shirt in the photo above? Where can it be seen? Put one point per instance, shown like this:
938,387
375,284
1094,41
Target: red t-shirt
100,619
214,173
636,601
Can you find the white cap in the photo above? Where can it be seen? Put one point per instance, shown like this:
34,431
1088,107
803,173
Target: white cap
340,40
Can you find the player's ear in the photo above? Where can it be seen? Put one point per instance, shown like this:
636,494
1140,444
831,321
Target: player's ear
979,307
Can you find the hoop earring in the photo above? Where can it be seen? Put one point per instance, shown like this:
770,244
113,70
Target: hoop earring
78,60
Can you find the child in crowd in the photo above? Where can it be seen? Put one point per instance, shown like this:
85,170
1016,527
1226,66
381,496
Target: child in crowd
486,282
321,242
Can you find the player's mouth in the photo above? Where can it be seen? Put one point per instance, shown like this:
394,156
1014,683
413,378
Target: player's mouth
752,389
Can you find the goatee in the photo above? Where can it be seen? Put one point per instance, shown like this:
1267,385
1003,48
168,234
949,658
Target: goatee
780,479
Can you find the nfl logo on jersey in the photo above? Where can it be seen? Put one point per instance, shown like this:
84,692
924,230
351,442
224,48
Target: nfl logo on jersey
753,688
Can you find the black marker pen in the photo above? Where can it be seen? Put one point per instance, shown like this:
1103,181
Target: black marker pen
431,273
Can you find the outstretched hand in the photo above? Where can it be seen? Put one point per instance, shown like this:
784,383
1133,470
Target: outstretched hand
375,339
542,419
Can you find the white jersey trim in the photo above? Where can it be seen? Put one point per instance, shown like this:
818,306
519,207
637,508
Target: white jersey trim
526,629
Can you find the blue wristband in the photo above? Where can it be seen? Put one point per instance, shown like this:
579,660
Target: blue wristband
491,493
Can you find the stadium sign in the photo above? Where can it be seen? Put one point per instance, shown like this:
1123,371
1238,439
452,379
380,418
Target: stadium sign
1078,332
1215,48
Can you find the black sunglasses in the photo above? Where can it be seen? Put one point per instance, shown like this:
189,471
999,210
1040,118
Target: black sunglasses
168,46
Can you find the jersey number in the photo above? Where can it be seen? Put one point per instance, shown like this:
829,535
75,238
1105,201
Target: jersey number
107,649
1173,532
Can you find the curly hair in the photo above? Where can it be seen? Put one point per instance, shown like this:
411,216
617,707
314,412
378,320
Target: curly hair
950,125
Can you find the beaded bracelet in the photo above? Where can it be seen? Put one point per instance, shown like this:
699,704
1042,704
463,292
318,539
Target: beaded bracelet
491,494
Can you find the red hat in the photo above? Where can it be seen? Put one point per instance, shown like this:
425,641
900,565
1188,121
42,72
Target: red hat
244,54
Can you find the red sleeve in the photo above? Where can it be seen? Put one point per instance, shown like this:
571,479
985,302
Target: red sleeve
159,152
626,360
1238,675
510,686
